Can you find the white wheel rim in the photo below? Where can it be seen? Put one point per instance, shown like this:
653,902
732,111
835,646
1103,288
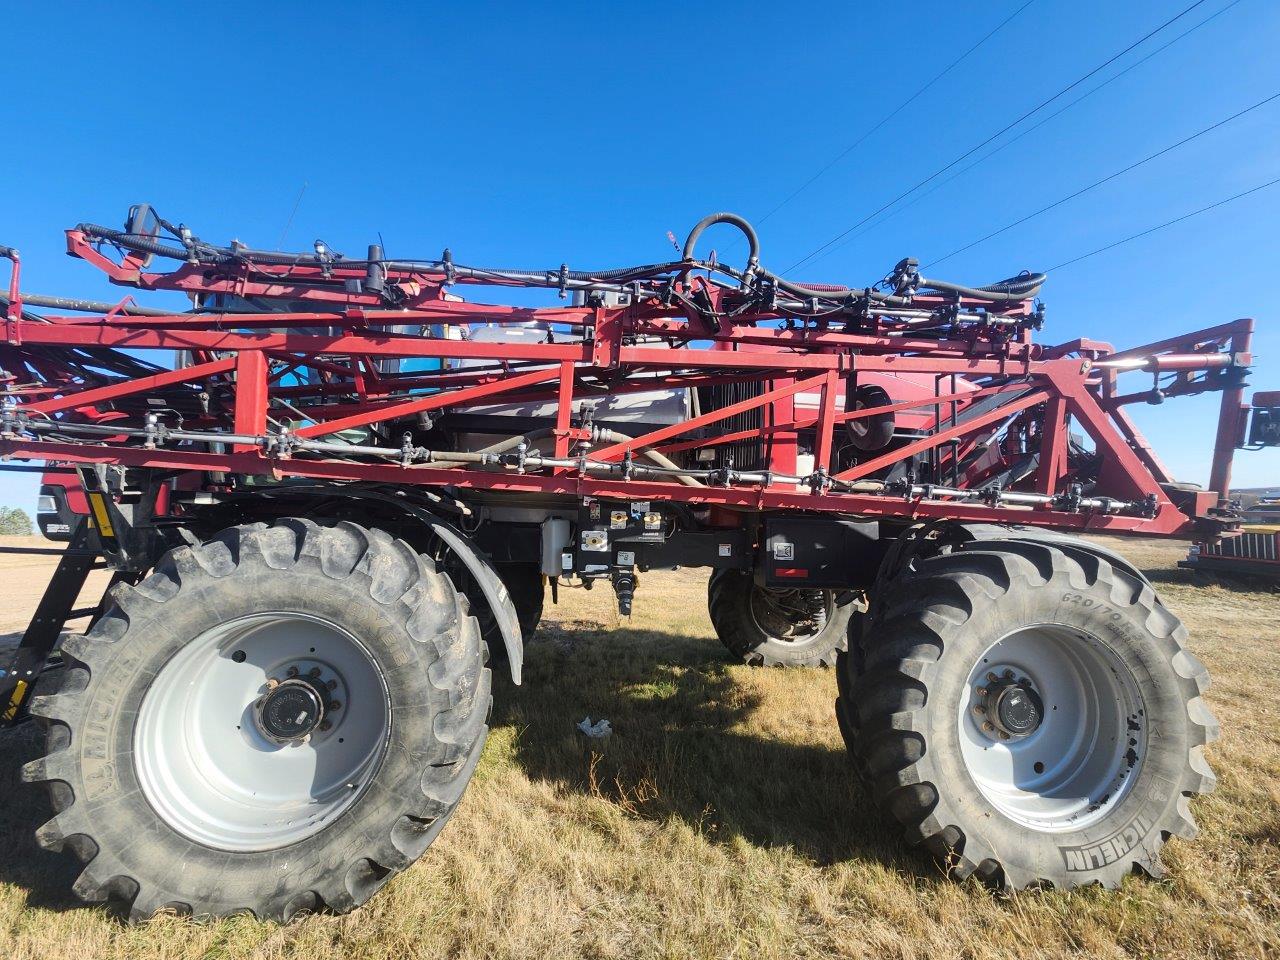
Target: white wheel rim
208,767
1087,751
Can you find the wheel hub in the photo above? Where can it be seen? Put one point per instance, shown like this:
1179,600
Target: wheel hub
1015,708
1011,707
291,710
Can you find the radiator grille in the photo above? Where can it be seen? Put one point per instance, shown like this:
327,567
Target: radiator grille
745,454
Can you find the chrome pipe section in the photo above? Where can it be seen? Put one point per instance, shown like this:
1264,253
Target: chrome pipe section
284,445
1172,361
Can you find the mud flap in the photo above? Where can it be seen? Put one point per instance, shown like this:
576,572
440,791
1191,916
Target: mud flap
490,584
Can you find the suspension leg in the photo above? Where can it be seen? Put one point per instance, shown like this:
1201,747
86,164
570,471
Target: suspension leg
25,663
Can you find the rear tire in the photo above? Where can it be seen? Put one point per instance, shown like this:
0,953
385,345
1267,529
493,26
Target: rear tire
778,628
165,760
1092,766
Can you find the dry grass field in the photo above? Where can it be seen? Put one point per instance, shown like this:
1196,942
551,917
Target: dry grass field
720,820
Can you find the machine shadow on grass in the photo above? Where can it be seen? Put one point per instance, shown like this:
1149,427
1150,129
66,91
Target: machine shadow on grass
45,876
679,747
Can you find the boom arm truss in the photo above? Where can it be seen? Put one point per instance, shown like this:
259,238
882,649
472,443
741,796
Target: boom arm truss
278,394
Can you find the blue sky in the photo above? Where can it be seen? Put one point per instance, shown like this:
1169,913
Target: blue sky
522,136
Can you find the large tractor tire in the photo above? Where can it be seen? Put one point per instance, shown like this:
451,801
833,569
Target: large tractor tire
1031,715
276,721
778,628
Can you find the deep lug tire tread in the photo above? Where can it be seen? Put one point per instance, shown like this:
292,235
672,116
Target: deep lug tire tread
883,707
434,615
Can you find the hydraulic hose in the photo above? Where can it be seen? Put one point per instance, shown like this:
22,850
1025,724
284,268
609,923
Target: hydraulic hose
996,292
753,242
1013,289
820,292
133,241
602,433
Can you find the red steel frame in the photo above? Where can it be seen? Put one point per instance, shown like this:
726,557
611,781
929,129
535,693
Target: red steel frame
240,359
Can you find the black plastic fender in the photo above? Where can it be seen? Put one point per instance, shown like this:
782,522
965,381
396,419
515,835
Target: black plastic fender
477,564
490,584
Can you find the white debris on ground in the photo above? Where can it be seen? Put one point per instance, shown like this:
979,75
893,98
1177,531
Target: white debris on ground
598,730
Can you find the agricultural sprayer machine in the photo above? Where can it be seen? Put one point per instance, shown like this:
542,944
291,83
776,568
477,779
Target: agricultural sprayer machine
334,492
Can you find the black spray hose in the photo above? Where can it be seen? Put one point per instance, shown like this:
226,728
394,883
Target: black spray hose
822,292
1017,288
996,292
753,242
133,241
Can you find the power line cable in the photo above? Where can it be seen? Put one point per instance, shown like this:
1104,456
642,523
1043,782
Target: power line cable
1167,223
970,152
1107,179
1032,129
897,110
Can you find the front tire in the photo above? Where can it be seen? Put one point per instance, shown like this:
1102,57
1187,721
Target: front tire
276,721
1032,716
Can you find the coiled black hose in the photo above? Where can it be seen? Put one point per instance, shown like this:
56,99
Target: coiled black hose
753,241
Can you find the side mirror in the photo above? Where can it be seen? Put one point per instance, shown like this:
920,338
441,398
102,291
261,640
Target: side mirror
143,222
1264,427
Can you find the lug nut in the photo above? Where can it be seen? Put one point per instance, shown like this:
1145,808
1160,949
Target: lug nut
982,691
313,672
325,725
979,708
1003,735
992,677
272,683
987,726
1008,674
335,705
293,671
332,684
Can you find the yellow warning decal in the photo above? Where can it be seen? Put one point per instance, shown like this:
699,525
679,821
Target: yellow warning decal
99,504
11,710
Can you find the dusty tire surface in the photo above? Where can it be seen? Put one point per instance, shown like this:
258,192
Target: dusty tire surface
416,630
916,708
730,595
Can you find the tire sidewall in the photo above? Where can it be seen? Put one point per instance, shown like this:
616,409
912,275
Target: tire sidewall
1129,831
110,789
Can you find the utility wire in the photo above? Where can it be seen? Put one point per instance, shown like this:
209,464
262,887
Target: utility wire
1167,223
1107,179
1031,129
970,152
897,110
